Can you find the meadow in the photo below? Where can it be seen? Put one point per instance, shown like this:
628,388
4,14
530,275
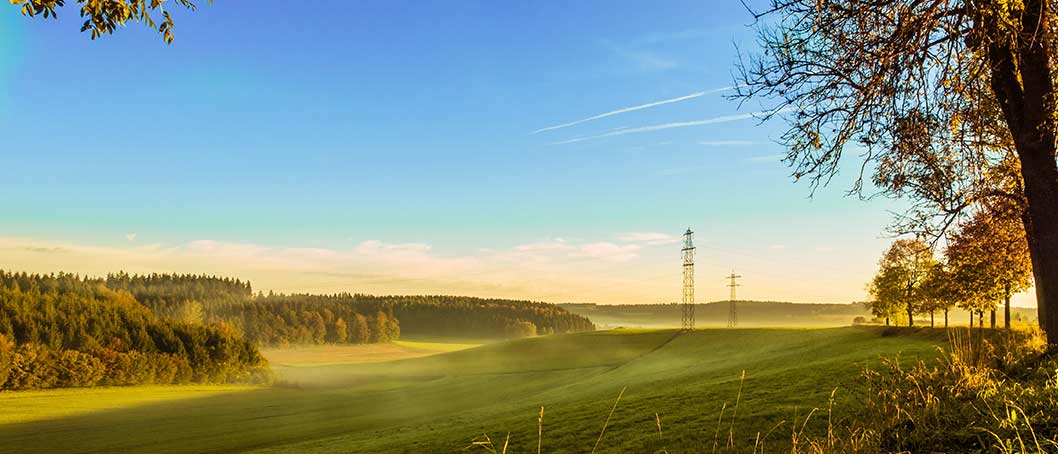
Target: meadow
330,354
336,401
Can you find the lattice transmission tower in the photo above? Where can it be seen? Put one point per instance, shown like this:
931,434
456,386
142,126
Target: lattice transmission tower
732,313
688,280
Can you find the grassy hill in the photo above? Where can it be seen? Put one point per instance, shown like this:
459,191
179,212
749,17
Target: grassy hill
439,403
753,313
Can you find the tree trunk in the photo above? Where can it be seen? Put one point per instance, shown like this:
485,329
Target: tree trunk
981,320
1006,309
931,319
887,321
1023,84
971,318
992,322
945,317
1043,239
910,315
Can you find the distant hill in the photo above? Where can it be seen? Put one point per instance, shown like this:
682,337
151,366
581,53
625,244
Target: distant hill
753,313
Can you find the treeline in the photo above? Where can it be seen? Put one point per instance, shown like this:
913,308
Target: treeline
279,319
64,330
439,315
269,320
67,331
166,294
985,261
750,313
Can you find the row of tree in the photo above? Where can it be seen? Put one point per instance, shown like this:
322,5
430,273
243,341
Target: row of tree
166,293
948,104
439,315
985,261
310,319
279,319
60,331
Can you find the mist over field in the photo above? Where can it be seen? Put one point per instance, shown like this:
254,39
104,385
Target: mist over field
440,403
759,314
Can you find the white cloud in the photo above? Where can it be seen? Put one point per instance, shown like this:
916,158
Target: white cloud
632,109
558,251
376,246
131,236
310,252
554,269
607,251
648,238
225,249
553,245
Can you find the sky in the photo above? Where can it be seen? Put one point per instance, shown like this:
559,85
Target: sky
553,151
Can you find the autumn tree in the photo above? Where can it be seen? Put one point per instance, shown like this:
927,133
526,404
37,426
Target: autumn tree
104,17
990,258
359,332
341,331
936,292
7,353
887,295
517,329
901,272
932,94
189,312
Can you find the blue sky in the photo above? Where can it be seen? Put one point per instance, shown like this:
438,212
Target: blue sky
390,147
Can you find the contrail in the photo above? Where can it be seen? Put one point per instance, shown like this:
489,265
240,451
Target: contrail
680,124
634,108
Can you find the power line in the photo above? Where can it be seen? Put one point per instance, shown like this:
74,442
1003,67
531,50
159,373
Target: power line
732,314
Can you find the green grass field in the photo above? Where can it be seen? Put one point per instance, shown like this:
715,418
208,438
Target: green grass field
322,355
440,403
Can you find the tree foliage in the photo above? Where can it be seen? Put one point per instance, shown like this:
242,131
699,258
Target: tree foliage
67,331
902,270
103,17
989,258
949,103
440,315
937,290
280,319
64,330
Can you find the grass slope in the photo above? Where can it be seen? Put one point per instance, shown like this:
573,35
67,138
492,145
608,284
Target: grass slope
438,403
322,355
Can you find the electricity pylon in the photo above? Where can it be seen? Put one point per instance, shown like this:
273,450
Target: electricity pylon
732,314
688,280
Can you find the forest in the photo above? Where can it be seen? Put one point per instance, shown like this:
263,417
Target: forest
65,330
281,319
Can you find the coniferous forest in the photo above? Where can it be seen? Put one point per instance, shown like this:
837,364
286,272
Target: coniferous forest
64,330
281,319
